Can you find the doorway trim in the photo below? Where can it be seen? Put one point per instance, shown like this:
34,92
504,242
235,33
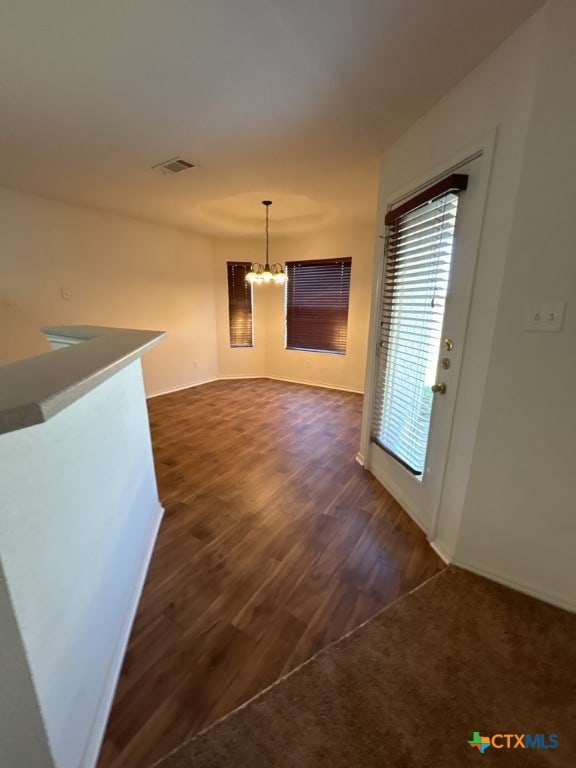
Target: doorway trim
484,148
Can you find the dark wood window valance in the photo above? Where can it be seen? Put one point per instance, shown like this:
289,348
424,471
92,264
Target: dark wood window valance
456,182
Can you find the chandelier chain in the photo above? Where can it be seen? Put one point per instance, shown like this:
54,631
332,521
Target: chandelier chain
267,207
265,273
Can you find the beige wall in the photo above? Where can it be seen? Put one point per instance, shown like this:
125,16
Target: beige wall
269,357
119,272
125,273
239,362
339,371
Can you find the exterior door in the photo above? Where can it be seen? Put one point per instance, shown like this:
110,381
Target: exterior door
428,265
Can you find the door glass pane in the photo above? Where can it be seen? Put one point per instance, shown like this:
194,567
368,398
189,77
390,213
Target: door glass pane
418,259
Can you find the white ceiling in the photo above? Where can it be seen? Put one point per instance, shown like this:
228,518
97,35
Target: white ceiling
288,99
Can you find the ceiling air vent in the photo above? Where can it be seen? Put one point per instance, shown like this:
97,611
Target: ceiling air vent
174,165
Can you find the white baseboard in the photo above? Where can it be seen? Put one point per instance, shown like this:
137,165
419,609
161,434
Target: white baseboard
180,389
314,384
441,551
501,578
96,734
360,459
528,589
249,376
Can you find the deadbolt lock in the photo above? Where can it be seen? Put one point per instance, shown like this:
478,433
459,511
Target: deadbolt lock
439,389
448,345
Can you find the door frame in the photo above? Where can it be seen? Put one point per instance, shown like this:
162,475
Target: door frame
484,148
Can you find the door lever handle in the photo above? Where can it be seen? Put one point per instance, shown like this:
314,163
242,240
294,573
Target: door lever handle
439,389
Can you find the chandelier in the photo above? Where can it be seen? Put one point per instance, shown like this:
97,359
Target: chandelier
267,273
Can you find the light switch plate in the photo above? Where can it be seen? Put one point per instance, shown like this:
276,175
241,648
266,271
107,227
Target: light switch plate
545,316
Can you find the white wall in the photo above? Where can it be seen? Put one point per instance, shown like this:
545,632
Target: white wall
507,505
119,272
79,512
22,734
519,521
269,356
496,97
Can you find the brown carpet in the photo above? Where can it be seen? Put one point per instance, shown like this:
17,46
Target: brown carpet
408,689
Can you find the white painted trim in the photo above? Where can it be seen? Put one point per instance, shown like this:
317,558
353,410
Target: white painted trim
441,551
528,589
249,376
96,734
484,148
314,384
180,389
451,164
370,373
395,491
404,503
231,377
360,459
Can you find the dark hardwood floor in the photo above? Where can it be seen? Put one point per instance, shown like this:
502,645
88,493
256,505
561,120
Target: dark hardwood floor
275,542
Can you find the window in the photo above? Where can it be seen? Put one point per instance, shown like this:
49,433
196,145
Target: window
317,298
239,304
419,246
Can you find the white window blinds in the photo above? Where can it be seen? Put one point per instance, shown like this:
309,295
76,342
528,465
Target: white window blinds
417,270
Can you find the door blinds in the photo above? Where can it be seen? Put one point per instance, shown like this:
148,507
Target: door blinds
239,304
417,269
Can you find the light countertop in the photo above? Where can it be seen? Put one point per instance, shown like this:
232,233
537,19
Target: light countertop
36,388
